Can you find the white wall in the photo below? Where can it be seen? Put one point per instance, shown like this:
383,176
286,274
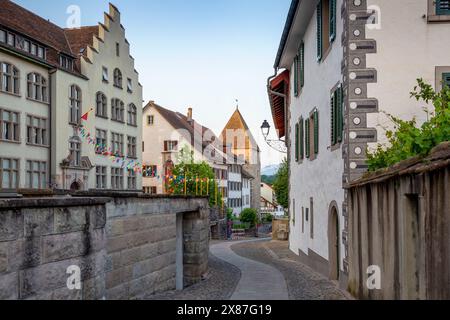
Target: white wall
321,178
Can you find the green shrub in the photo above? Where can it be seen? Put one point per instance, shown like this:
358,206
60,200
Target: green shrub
249,216
407,140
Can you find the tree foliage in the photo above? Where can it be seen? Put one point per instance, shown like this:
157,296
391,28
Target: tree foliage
281,185
249,216
407,139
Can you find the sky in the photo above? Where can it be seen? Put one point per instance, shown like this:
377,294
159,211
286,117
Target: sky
203,54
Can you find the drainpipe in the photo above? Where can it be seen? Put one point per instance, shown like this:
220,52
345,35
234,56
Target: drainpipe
50,119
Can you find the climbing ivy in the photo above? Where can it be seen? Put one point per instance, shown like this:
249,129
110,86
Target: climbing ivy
408,139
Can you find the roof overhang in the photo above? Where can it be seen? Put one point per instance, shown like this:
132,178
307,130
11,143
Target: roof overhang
278,94
299,16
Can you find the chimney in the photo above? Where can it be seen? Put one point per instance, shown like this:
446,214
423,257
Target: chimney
189,115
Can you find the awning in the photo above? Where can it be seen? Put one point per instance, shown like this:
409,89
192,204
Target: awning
280,85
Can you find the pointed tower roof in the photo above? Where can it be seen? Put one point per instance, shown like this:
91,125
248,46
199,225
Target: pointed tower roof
236,122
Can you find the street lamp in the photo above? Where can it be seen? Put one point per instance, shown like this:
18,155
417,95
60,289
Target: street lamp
278,145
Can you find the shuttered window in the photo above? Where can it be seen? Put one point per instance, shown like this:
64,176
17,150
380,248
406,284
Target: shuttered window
296,77
316,131
302,139
446,80
297,142
443,7
337,116
302,64
319,31
333,20
307,140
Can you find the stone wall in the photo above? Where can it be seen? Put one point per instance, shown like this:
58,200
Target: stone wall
127,246
40,239
400,222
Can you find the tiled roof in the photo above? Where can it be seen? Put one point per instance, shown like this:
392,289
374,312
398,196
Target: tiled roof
80,39
31,25
237,122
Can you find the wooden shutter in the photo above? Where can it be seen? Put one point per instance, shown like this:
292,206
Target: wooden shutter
307,139
446,80
302,64
443,7
332,20
297,145
301,138
316,131
319,31
340,113
296,76
333,119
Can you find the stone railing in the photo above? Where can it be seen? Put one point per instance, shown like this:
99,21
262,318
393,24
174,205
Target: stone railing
127,246
399,232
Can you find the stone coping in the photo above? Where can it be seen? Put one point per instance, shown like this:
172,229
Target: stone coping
140,195
8,204
438,158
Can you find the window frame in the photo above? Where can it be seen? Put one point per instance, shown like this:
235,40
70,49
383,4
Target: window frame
14,126
117,143
117,178
101,141
117,110
131,179
12,78
75,105
101,105
75,152
132,115
30,172
11,171
40,131
37,87
132,147
101,177
118,78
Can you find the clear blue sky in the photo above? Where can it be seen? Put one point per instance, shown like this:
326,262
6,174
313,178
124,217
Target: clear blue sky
198,53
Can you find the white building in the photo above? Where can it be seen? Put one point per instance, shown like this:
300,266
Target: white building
165,133
268,199
341,65
51,77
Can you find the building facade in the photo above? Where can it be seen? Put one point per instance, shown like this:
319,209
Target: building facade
51,77
341,67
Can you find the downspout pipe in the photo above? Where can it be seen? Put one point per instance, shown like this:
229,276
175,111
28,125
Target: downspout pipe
51,72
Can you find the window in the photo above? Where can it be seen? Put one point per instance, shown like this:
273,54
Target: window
101,105
315,124
41,54
150,171
100,141
64,62
118,78
10,126
150,120
117,110
37,131
150,190
296,75
302,64
36,175
11,39
129,85
307,139
301,139
337,118
131,147
443,7
9,78
446,79
9,173
2,36
312,218
117,178
75,104
101,176
170,146
117,143
132,115
131,180
312,135
37,87
326,26
26,46
34,49
105,77
297,142
75,152
117,49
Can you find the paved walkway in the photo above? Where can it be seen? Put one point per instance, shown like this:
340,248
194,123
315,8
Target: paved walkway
258,281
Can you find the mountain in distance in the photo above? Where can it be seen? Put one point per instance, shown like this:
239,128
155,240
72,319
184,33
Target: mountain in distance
270,170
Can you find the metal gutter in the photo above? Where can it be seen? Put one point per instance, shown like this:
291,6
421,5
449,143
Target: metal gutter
287,30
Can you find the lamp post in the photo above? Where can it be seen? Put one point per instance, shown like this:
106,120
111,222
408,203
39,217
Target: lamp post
278,145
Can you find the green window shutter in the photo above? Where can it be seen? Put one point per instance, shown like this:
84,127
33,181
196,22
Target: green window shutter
319,31
446,80
333,20
302,64
340,113
316,131
443,7
297,142
307,139
296,76
301,138
333,119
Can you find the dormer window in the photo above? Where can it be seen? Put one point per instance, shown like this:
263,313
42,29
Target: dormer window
2,36
65,62
11,39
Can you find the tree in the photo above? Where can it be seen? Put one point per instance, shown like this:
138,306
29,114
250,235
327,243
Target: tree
281,185
191,178
249,216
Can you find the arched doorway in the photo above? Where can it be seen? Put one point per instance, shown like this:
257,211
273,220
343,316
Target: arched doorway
75,186
333,242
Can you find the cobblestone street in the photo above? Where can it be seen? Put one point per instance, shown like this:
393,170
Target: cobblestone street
257,270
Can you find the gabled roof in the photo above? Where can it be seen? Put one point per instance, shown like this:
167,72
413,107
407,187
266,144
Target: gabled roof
237,122
19,19
81,38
